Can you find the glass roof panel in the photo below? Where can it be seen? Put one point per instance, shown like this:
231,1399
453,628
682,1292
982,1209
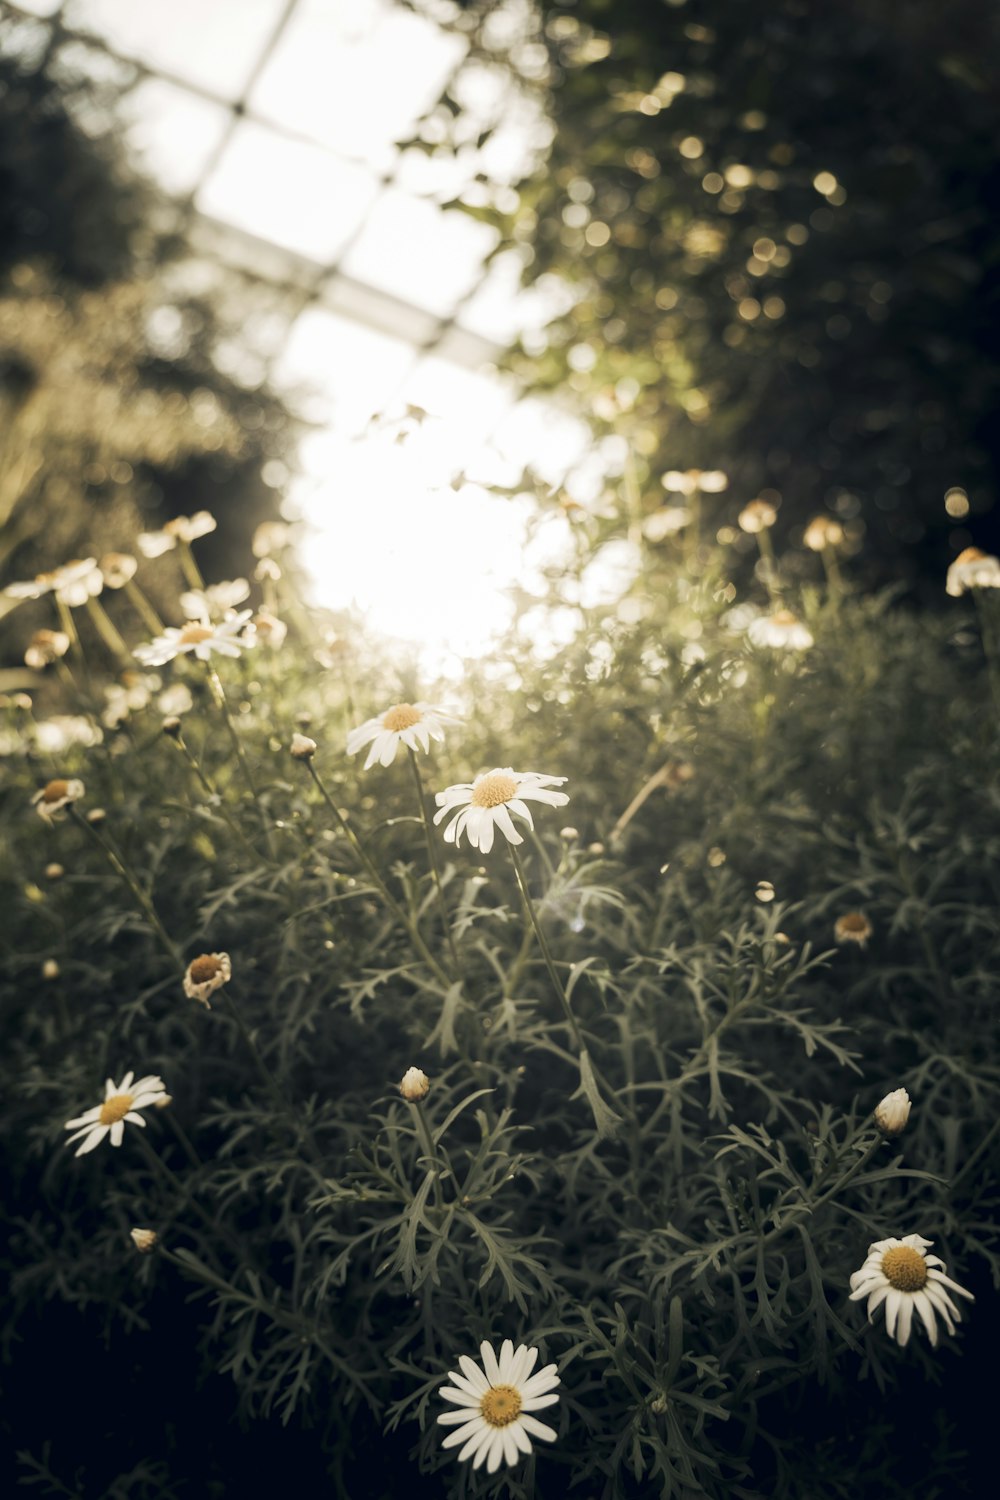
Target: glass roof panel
355,74
414,250
214,44
294,194
335,369
174,132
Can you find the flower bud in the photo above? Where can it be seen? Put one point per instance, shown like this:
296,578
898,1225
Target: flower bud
50,969
54,872
144,1239
302,747
414,1085
892,1114
172,726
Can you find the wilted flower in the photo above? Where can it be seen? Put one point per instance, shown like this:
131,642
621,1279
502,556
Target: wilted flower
270,536
118,568
73,584
493,1421
411,724
144,1239
757,516
45,647
302,747
781,630
823,532
55,796
901,1274
270,630
122,1102
215,601
487,803
206,974
201,640
972,569
414,1085
893,1112
180,529
852,927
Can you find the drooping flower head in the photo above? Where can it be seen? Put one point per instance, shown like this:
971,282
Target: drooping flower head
901,1274
487,803
122,1103
200,639
823,532
493,1421
206,974
45,647
55,796
179,529
143,1239
852,927
972,569
410,724
782,630
759,515
118,569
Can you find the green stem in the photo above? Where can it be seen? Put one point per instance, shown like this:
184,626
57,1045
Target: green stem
108,631
121,869
255,1052
432,855
143,608
189,567
426,1140
557,983
219,694
212,791
421,947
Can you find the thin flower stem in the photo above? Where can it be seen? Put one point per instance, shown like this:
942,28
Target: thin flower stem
219,694
187,1146
143,608
432,856
212,791
118,863
254,1050
189,567
980,1150
421,947
770,569
108,631
423,1131
557,983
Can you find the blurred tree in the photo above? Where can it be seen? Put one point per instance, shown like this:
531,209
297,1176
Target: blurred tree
114,411
775,221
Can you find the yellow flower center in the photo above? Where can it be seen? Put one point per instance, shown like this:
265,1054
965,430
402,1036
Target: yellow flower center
784,617
904,1268
493,789
193,634
116,1108
971,554
204,968
402,716
501,1405
853,922
55,791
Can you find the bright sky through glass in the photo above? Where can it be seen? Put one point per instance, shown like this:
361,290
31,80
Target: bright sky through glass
281,121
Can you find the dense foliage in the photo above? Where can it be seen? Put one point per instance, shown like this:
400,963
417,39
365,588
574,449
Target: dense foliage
673,1218
777,225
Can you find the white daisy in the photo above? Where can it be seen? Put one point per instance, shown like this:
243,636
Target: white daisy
852,927
487,803
823,532
493,1421
972,569
45,647
215,601
780,630
73,584
180,529
56,795
118,569
122,1102
757,516
269,629
410,724
901,1274
199,638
